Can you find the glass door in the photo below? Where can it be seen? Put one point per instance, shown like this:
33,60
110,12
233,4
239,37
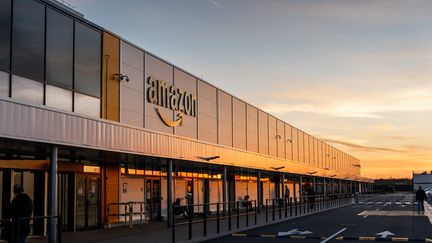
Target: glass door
87,201
153,188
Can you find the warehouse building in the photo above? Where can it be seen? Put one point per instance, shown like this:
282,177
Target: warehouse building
89,121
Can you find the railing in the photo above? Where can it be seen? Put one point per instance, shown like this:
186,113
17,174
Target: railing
294,206
201,214
128,213
12,227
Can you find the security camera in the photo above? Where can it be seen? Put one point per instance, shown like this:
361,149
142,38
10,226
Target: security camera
123,77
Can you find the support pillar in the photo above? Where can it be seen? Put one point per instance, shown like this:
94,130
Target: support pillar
169,193
314,184
224,188
301,188
283,188
324,186
52,189
259,196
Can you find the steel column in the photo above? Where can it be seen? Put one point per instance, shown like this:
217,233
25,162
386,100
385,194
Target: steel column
52,193
169,193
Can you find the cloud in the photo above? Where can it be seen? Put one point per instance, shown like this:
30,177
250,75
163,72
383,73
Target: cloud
216,4
362,147
364,105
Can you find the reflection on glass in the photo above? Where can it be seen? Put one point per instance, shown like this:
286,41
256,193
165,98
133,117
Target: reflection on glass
27,90
28,39
4,84
59,49
87,60
87,105
58,98
5,22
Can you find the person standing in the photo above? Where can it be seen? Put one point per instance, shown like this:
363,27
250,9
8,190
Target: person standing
21,207
287,195
420,198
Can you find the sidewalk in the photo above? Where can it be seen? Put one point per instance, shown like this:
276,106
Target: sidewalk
159,232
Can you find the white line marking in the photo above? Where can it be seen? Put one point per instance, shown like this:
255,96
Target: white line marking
333,235
365,216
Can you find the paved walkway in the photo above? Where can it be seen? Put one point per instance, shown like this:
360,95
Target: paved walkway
158,231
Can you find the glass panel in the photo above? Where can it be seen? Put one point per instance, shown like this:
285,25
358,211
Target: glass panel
58,98
4,84
80,202
5,26
87,105
59,49
27,90
28,39
87,60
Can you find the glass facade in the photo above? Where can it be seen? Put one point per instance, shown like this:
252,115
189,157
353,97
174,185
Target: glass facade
27,90
87,60
5,27
58,98
28,39
4,84
87,105
59,49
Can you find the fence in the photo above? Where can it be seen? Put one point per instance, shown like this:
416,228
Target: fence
128,213
201,214
294,206
10,228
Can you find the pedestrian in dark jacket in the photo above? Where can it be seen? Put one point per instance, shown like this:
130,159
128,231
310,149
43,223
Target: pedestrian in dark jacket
21,207
420,198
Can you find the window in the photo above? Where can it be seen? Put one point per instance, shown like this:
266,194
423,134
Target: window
27,90
58,98
87,60
87,105
4,84
28,39
59,49
5,26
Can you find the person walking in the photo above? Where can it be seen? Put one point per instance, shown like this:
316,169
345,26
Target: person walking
21,208
420,198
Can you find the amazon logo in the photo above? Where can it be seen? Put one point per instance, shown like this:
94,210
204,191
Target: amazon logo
174,98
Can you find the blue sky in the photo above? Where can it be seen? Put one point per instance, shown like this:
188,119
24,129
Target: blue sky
354,73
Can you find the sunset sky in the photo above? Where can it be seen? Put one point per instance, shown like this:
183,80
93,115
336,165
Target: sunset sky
357,74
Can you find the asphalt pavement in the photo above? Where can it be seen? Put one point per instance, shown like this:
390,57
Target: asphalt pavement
389,217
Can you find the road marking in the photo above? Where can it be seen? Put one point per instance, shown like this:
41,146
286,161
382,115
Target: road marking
384,234
239,235
399,239
367,238
365,216
333,235
268,236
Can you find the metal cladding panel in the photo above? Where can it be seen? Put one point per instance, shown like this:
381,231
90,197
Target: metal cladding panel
239,124
288,144
263,139
301,146
272,136
316,152
189,83
158,70
252,129
225,118
281,140
40,124
132,91
207,112
306,148
295,144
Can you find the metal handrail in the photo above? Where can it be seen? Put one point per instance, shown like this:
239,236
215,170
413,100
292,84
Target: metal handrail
129,212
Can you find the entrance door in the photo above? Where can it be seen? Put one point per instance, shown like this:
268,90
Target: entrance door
153,188
87,201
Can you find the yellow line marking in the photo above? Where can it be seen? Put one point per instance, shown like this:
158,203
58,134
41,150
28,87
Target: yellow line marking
298,237
339,238
268,236
366,238
399,239
239,235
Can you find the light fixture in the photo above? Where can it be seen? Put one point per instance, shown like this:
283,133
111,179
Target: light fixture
122,77
209,158
277,168
312,172
326,168
289,140
278,136
333,175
